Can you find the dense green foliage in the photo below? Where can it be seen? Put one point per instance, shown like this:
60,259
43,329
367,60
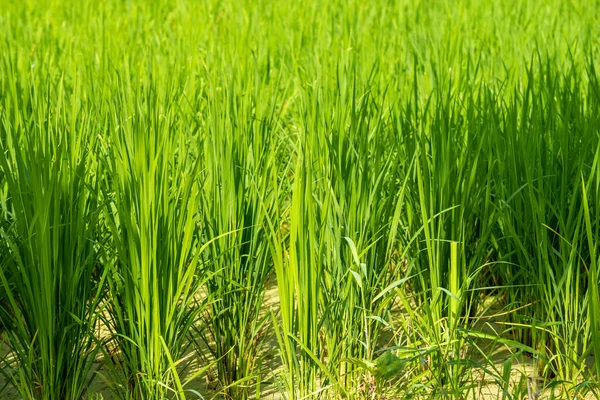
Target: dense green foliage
362,200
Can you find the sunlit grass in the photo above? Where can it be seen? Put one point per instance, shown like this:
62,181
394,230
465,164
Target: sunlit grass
416,181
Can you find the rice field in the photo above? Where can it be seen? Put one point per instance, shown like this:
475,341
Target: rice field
204,199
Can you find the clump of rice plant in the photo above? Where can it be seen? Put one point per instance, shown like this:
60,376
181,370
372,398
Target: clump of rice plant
239,200
51,280
151,194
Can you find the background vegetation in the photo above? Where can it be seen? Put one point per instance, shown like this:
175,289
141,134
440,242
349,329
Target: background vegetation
244,199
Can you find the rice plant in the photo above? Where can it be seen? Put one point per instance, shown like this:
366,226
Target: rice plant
151,193
52,281
238,202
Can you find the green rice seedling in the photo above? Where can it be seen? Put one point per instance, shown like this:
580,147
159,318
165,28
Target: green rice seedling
239,196
365,180
52,282
591,231
454,220
300,283
151,189
592,293
543,220
343,222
